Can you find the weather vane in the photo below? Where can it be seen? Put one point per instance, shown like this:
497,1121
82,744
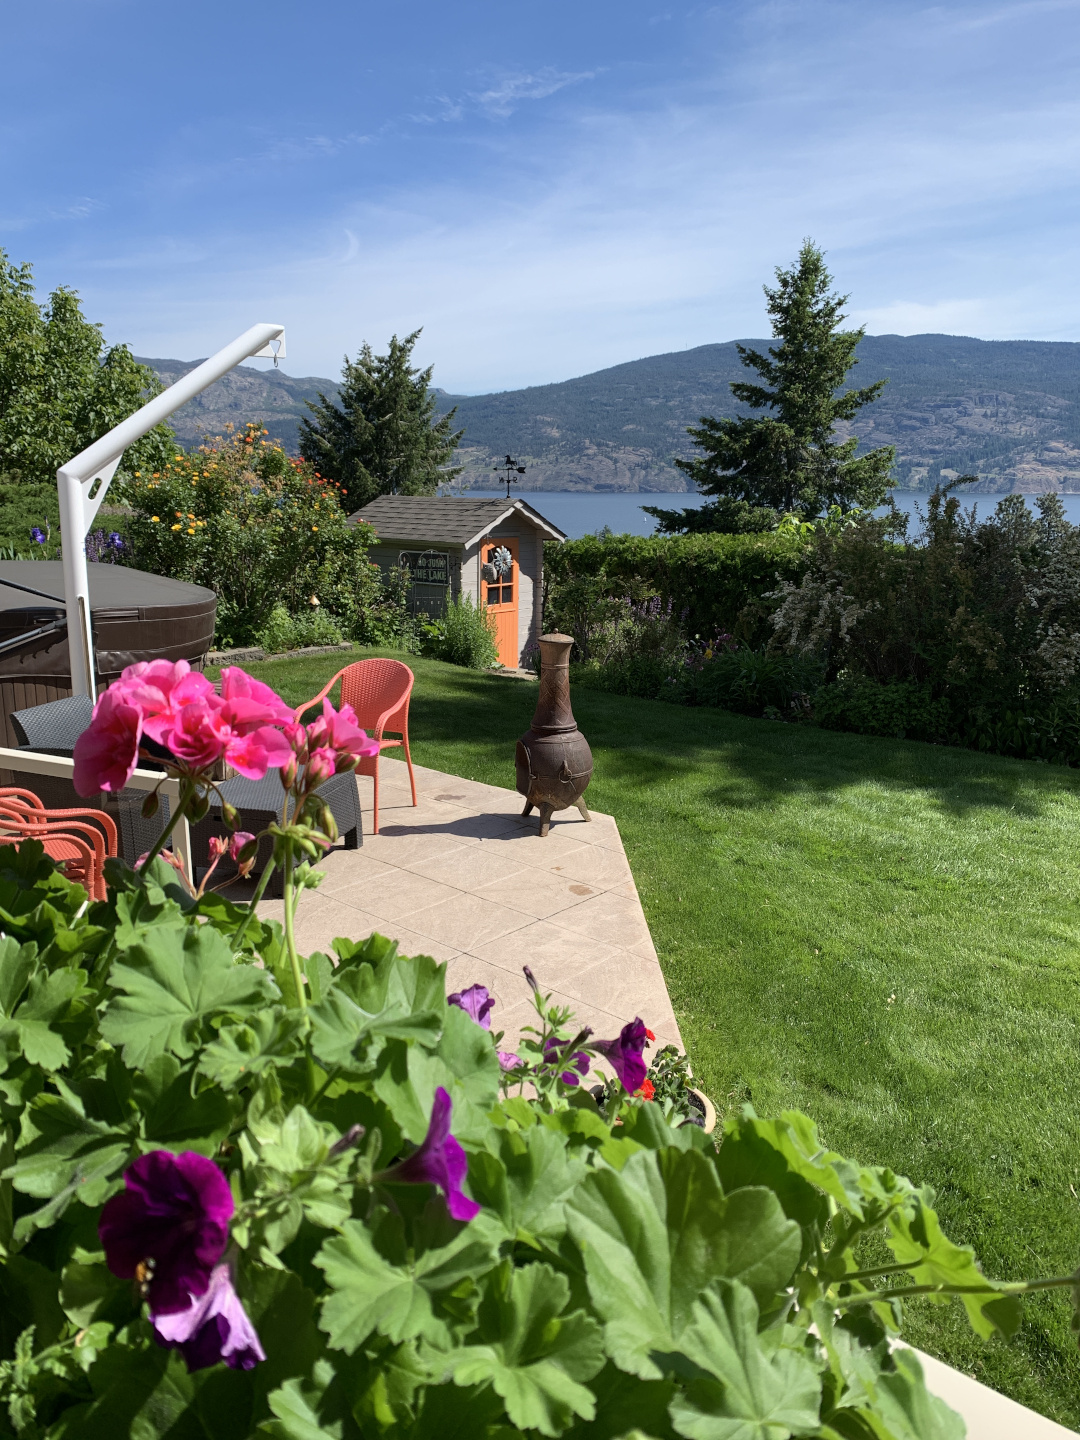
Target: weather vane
511,467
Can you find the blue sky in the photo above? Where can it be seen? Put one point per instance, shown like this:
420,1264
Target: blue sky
547,188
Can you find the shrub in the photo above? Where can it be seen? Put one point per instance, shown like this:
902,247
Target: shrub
716,582
290,632
464,634
257,527
901,710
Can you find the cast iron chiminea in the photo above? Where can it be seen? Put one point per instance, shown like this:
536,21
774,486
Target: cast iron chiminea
554,762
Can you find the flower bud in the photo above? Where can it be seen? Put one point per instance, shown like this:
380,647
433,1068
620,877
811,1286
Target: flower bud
150,805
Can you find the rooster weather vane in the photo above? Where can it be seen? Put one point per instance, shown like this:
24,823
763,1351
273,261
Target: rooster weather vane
511,467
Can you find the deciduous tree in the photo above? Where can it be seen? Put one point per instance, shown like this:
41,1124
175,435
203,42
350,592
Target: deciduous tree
60,387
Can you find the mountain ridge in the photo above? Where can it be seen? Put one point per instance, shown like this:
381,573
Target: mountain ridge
1007,410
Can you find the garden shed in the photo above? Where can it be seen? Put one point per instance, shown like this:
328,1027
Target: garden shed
492,550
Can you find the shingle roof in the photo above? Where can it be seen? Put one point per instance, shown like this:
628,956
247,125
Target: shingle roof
453,521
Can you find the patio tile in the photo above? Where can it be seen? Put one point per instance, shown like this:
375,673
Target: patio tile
530,848
395,896
536,892
470,868
466,922
596,866
554,955
406,847
609,919
346,868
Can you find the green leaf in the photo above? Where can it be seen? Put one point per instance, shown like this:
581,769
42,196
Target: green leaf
250,1046
341,1021
89,1291
654,1235
905,1410
174,1118
295,1406
533,1355
464,1064
626,1407
140,1394
61,1152
747,1158
745,1393
527,1181
173,984
371,1292
918,1237
16,966
795,1137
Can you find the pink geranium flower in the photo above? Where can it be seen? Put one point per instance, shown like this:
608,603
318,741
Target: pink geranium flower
107,752
338,730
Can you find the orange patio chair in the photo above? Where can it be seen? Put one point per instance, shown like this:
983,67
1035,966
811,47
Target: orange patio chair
378,691
78,839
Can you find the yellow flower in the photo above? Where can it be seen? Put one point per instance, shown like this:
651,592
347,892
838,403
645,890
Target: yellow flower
314,527
154,519
191,529
176,527
137,474
190,516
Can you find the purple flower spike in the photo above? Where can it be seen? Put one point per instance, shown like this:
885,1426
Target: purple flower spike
625,1055
440,1161
213,1327
579,1060
476,1001
169,1227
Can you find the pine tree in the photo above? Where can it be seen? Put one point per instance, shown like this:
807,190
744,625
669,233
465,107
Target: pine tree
381,437
792,460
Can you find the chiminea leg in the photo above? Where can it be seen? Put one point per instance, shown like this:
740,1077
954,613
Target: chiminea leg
528,808
546,812
583,809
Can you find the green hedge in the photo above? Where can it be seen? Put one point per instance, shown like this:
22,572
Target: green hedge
717,579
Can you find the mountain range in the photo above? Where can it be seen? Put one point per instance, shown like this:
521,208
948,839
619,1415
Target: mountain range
1006,410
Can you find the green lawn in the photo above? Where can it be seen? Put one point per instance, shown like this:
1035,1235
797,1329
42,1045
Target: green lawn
882,934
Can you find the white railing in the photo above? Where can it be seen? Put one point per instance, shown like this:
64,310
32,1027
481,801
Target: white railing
84,480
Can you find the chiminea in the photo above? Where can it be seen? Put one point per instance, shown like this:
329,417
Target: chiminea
554,762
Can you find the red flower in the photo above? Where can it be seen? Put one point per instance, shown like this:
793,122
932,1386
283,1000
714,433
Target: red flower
646,1090
649,1035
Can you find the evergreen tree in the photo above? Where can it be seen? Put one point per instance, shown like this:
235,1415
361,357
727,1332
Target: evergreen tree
792,460
381,437
60,389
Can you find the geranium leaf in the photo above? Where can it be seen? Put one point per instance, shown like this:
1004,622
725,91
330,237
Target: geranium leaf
464,1064
533,1355
528,1181
172,984
250,1046
17,964
905,1410
795,1137
917,1237
745,1393
342,1020
173,1117
370,1292
655,1234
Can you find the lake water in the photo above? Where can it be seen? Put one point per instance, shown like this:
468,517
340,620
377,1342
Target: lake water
577,513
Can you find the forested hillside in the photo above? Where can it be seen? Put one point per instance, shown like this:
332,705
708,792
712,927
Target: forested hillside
1008,410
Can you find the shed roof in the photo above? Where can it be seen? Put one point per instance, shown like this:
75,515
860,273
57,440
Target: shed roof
453,521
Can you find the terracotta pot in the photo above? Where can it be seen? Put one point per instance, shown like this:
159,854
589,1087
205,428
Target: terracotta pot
554,763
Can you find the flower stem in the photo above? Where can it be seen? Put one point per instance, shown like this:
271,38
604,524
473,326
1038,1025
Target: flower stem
290,936
187,792
264,880
903,1292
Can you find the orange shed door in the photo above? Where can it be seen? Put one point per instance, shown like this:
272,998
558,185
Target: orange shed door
501,598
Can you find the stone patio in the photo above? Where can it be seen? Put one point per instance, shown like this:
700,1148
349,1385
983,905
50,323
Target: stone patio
463,878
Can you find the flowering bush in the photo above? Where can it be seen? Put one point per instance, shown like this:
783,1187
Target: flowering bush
252,1194
259,528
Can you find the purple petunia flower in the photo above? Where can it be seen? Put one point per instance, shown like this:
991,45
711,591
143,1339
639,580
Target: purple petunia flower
214,1327
36,533
439,1160
476,1001
579,1060
508,1060
624,1054
116,540
168,1227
